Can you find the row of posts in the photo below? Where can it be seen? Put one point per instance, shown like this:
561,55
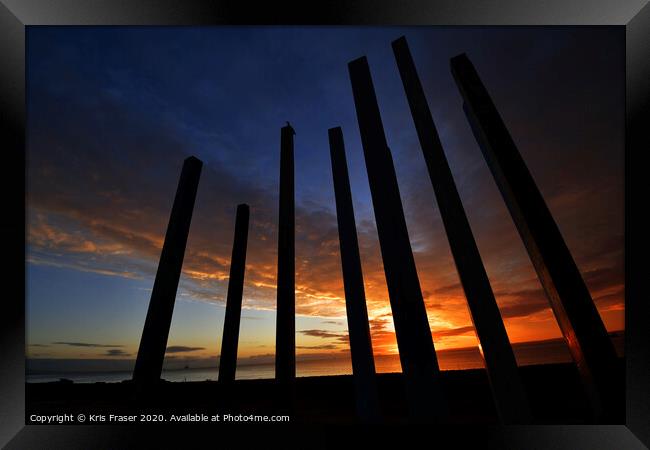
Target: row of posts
574,309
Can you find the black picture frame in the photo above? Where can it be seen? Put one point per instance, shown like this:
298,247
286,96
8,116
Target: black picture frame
15,15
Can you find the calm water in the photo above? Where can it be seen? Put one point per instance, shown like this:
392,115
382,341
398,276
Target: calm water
543,352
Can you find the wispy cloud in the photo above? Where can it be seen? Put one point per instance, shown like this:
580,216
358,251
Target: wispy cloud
318,347
102,177
116,352
452,332
182,349
87,344
321,333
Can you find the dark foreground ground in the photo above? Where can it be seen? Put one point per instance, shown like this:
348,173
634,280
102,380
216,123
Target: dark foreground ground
554,391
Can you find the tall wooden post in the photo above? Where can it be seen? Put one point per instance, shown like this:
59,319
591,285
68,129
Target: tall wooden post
500,363
417,353
230,340
151,353
285,337
575,311
363,363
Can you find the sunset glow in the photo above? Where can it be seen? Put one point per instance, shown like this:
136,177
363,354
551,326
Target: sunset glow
113,113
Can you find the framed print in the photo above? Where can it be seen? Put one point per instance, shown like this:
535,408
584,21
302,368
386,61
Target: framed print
421,217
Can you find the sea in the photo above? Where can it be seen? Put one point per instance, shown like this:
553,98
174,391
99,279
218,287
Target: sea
529,353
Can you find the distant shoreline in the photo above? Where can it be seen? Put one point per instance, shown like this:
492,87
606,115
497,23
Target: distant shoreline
548,351
554,390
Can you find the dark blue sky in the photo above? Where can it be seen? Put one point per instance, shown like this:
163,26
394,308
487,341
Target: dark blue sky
113,111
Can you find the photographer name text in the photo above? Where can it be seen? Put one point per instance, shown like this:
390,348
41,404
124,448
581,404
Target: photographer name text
141,418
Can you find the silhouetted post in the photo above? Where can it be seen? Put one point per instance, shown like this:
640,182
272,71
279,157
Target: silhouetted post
285,335
363,363
417,353
575,311
148,365
230,340
507,390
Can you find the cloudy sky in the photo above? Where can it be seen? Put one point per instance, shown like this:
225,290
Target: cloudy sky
113,112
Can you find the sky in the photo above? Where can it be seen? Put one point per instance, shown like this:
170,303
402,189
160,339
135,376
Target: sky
114,111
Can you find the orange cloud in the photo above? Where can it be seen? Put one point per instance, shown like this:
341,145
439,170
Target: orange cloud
90,211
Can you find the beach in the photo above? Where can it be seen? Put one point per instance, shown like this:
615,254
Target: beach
554,392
